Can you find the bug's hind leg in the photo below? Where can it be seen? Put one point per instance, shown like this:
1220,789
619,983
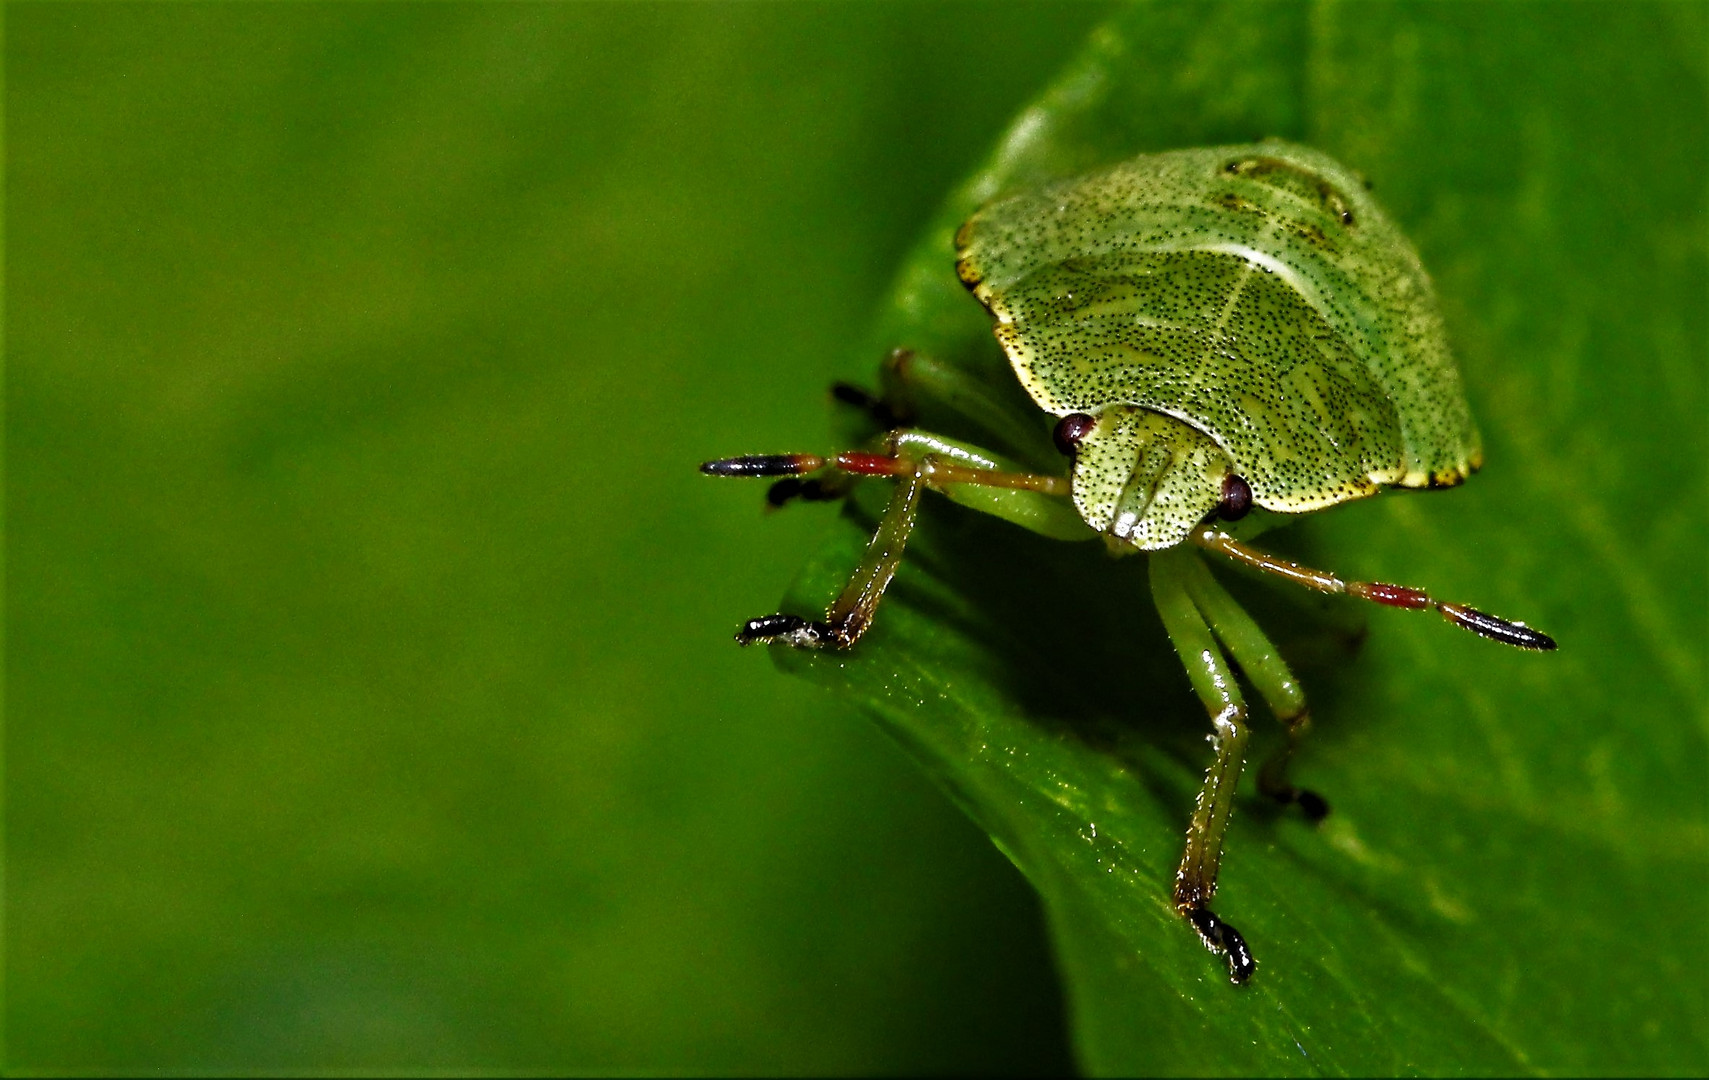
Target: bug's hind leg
915,383
885,413
1266,671
1213,681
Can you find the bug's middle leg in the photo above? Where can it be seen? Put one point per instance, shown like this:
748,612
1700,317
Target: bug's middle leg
1266,671
1213,681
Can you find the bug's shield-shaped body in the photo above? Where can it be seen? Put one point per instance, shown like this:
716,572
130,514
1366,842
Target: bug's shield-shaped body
1215,328
1257,296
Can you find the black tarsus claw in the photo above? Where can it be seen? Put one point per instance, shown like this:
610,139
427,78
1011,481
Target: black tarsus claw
789,629
1240,962
1312,804
1222,938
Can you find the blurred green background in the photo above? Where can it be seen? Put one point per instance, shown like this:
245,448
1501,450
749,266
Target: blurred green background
371,697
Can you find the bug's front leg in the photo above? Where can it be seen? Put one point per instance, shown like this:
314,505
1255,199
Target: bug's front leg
1213,681
917,460
851,613
1266,671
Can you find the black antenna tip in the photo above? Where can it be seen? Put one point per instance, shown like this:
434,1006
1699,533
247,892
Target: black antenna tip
764,465
1486,625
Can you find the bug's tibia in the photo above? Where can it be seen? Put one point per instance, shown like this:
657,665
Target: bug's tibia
1221,938
764,465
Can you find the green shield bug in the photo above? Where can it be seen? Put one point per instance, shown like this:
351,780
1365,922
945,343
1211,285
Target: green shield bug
1221,337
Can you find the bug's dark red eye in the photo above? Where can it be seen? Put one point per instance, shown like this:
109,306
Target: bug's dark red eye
1071,429
1236,498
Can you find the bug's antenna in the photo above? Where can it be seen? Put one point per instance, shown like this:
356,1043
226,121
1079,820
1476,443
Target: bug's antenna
1478,622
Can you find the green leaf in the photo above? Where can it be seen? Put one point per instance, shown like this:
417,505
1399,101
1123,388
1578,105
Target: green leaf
1514,876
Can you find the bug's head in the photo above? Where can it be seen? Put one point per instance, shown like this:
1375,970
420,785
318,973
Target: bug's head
1145,480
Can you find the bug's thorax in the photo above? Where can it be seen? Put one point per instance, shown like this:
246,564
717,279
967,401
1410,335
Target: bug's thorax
1145,480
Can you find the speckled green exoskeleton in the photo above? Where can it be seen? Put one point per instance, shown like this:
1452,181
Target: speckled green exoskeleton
1223,336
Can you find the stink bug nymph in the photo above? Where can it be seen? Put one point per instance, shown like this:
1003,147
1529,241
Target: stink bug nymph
1218,336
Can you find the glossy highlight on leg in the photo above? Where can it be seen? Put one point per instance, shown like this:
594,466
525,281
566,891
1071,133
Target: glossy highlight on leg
1214,683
